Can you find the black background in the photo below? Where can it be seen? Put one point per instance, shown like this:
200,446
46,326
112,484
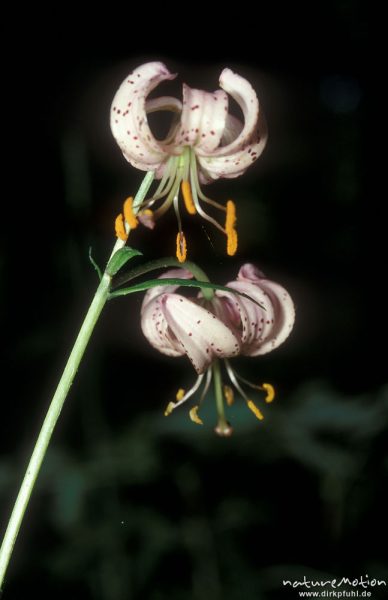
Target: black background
130,504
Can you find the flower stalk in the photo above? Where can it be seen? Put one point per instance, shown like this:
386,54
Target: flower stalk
50,421
100,298
223,428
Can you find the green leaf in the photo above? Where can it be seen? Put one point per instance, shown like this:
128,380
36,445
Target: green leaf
141,287
159,263
120,258
95,265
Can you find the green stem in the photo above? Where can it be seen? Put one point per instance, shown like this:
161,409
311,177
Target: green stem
49,423
223,428
142,191
58,400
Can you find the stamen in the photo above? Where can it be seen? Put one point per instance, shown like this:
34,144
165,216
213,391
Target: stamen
188,198
182,396
120,228
233,379
202,196
181,247
205,390
179,395
164,207
252,406
229,395
230,221
165,184
170,407
194,415
230,228
270,392
231,242
129,214
195,187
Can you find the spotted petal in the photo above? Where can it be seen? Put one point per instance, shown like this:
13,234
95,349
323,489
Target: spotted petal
203,119
201,334
155,328
129,122
232,159
261,329
153,322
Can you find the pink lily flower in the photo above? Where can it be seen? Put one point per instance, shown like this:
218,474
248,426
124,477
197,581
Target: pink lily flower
227,325
205,142
177,326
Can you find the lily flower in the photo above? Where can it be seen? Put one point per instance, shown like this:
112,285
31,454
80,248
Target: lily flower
205,143
209,330
178,326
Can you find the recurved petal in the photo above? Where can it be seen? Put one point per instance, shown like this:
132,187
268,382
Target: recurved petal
241,90
261,329
231,165
284,317
153,321
241,144
201,334
156,329
233,128
252,322
167,104
250,272
129,122
203,119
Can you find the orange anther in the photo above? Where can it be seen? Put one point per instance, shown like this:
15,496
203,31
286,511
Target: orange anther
120,228
129,214
231,242
181,247
188,198
258,414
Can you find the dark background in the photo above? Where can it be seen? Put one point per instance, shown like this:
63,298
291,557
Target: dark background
130,505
